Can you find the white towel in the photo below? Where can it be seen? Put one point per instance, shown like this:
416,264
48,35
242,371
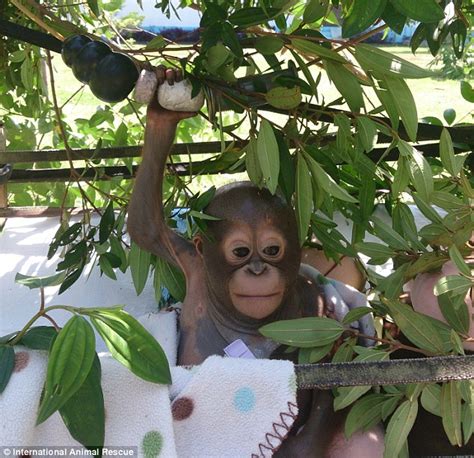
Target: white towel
224,408
137,413
233,407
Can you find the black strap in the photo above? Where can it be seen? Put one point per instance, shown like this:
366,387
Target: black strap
394,372
42,39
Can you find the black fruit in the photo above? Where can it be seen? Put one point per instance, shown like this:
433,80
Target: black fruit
71,47
87,59
114,78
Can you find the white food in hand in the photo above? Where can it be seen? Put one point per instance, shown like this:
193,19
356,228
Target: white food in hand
177,97
145,87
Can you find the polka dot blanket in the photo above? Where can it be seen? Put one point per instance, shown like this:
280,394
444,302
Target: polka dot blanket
226,407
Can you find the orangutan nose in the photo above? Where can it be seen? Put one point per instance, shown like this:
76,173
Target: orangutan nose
256,267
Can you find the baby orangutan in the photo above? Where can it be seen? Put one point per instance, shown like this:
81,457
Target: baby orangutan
240,276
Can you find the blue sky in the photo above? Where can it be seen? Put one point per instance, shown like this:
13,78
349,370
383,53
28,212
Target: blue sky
153,16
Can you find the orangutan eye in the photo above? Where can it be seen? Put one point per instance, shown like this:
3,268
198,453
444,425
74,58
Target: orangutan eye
241,251
272,250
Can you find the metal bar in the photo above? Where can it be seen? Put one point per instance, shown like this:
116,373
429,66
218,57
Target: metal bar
394,372
107,173
426,132
23,156
12,157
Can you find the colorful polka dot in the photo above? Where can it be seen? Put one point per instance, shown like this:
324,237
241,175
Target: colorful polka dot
182,408
152,444
244,399
22,359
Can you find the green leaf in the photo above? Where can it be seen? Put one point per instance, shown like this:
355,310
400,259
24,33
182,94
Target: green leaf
393,18
446,200
116,248
40,282
421,175
157,42
94,6
425,263
421,10
132,345
7,363
84,413
27,74
268,156
427,210
361,15
390,405
467,421
247,17
313,49
467,91
313,355
356,314
417,327
404,223
392,285
446,153
374,59
401,178
458,260
70,361
315,10
347,395
304,332
399,426
216,56
452,283
451,412
388,235
106,266
172,278
375,250
345,352
284,98
201,215
364,414
39,337
346,83
404,102
106,223
367,133
252,164
304,198
430,399
449,115
139,261
325,181
268,45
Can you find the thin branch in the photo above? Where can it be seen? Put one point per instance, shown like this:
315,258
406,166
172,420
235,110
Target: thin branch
35,18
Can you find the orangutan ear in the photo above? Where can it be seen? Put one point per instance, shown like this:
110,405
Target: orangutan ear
197,240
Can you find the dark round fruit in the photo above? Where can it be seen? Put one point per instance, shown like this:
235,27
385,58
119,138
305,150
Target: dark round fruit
87,59
71,47
113,78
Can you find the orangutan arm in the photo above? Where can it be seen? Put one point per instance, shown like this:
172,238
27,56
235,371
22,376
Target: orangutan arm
146,220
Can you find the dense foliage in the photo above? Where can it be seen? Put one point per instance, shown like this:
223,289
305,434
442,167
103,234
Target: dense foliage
260,64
